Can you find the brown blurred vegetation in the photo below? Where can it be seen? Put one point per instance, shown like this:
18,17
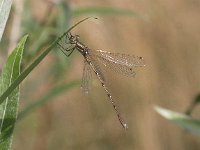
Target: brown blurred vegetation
167,37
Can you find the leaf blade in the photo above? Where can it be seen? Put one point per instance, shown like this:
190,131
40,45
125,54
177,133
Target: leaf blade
180,119
8,109
5,6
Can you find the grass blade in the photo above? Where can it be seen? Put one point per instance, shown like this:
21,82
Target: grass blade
105,11
49,96
25,73
182,120
5,6
8,109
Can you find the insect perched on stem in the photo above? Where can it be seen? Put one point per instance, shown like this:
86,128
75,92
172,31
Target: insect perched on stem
120,63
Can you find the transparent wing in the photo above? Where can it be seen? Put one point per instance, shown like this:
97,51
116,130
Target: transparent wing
120,63
118,68
118,58
96,67
86,78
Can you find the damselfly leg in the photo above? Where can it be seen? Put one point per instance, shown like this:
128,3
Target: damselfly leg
67,48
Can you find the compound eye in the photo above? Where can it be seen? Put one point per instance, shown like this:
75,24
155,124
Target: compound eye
77,36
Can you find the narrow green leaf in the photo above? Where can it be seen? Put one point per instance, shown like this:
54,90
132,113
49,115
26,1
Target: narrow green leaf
193,104
180,119
64,17
5,6
25,73
49,96
8,109
105,11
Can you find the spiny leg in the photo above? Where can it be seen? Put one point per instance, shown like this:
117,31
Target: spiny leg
61,47
71,51
70,48
67,37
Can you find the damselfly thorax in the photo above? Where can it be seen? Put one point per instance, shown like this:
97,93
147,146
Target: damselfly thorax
120,63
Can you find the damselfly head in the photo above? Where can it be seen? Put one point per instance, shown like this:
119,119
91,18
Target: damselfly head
73,39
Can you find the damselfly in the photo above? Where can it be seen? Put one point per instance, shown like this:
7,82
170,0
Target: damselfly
120,63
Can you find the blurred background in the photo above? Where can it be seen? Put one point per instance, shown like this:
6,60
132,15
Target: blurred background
55,114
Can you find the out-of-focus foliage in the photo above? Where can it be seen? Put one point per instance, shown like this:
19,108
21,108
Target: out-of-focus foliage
5,6
193,104
182,120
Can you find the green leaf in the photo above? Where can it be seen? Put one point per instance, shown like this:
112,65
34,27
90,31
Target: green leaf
26,72
180,119
5,6
193,104
8,109
64,17
105,11
46,98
